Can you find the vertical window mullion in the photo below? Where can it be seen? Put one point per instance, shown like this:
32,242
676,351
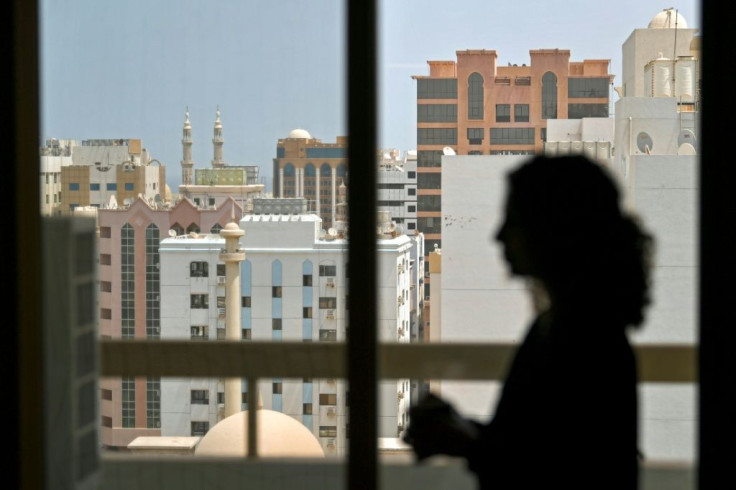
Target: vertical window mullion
361,345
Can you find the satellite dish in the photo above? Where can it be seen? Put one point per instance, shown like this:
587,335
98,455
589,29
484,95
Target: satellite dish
157,198
392,226
332,232
686,136
644,142
127,201
448,151
172,233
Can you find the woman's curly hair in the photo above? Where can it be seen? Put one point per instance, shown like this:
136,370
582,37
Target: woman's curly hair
584,243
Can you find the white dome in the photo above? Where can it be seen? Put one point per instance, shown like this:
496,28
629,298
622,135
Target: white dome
666,20
300,134
278,436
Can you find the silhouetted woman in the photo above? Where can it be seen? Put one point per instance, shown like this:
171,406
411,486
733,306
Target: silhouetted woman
567,414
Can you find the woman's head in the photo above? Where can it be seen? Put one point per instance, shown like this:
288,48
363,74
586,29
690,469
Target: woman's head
564,226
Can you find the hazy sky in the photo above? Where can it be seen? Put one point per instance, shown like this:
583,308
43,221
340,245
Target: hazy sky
130,69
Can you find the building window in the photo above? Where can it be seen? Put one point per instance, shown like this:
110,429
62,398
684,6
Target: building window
199,301
430,180
475,152
549,96
475,136
94,187
328,303
221,270
503,113
307,312
411,191
277,387
429,203
112,187
328,399
245,302
411,209
437,88
127,281
74,186
211,201
430,225
587,87
579,111
198,269
129,186
543,134
411,226
306,279
327,270
475,96
245,333
276,324
276,291
200,428
328,335
307,409
200,397
436,113
429,158
153,402
106,394
512,136
328,431
411,174
128,399
106,421
521,112
199,332
436,136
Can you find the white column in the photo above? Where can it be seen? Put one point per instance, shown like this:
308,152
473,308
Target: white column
281,182
334,195
317,210
232,256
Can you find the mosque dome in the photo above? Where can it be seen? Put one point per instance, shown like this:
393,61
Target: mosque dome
279,435
666,19
300,134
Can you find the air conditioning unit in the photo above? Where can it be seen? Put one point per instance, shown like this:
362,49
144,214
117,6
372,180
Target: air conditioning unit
331,314
221,280
400,268
331,381
331,443
331,411
330,282
401,395
221,311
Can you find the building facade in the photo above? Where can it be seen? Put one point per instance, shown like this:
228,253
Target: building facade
55,154
294,288
473,106
396,190
105,172
306,167
209,187
130,304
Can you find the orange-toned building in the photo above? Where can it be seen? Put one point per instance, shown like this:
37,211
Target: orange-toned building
476,107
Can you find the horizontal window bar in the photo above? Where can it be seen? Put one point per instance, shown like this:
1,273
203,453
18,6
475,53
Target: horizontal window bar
457,361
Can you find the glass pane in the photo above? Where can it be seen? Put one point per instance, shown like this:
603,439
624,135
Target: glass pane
168,122
582,106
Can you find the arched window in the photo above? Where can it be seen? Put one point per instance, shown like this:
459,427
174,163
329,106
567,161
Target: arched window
325,170
549,96
288,170
475,96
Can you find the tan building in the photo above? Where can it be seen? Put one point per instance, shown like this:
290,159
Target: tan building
105,172
473,106
307,167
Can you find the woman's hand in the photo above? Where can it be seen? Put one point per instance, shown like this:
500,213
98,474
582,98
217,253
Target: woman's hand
435,427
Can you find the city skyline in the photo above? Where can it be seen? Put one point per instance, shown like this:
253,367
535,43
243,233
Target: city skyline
173,57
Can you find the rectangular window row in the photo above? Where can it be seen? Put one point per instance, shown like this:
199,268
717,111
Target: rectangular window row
503,113
512,136
436,136
437,88
436,113
588,87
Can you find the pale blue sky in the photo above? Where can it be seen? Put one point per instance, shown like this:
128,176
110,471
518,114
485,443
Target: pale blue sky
130,69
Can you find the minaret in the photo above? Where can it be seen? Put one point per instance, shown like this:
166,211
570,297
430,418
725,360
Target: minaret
187,164
232,256
217,142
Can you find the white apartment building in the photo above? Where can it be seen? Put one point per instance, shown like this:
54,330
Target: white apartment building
397,187
54,154
294,288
